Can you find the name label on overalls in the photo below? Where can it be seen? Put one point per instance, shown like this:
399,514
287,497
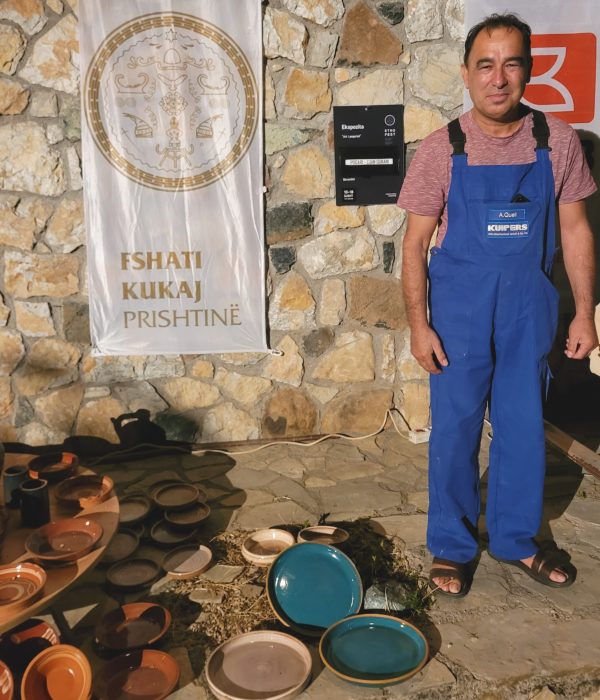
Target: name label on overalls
507,223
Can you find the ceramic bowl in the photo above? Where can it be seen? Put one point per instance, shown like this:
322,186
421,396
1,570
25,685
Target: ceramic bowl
61,672
130,574
262,547
176,495
132,626
188,561
7,684
149,674
123,545
310,586
164,534
83,491
53,467
134,509
64,540
323,534
158,485
373,650
189,517
23,643
20,585
261,665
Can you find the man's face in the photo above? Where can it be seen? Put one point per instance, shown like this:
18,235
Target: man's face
496,73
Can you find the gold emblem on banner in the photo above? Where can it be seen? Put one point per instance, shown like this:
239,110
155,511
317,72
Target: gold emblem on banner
171,101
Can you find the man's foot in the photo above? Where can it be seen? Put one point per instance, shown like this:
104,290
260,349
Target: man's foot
550,567
450,578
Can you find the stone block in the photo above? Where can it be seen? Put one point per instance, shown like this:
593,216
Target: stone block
289,412
359,413
288,222
352,359
377,302
366,40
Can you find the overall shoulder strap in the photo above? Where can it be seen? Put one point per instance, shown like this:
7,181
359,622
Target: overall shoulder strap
540,130
457,137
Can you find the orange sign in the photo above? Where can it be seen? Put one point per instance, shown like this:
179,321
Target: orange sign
563,80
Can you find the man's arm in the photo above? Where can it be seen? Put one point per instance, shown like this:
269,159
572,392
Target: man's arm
424,342
578,253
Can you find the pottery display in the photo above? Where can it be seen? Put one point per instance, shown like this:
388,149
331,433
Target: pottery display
262,547
261,665
64,540
132,626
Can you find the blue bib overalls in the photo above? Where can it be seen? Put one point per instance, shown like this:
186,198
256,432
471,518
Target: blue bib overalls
495,311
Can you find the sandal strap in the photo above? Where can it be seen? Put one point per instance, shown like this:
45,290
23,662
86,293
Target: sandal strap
546,561
454,569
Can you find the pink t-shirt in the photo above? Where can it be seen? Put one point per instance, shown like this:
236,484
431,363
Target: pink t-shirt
426,185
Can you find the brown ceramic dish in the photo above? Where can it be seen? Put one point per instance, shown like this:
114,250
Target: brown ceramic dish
133,573
122,545
7,685
61,672
188,561
64,540
84,491
134,509
176,496
189,517
163,534
20,585
261,665
133,626
323,534
53,467
148,674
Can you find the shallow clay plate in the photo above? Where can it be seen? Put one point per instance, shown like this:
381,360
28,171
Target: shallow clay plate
176,495
20,585
64,540
134,509
262,547
122,545
324,534
84,491
132,626
188,517
262,665
53,467
133,573
61,672
164,534
373,650
7,685
148,674
188,561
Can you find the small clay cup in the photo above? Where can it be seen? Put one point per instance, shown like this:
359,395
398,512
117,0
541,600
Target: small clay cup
12,480
35,505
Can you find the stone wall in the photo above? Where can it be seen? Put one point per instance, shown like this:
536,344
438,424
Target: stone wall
335,304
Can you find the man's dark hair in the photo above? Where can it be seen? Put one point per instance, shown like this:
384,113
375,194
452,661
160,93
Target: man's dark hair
497,21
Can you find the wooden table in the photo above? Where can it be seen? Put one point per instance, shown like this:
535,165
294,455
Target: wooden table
60,578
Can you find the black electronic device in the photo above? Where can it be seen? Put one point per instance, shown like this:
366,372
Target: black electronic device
369,154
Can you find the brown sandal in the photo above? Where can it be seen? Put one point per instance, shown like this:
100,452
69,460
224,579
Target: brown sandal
544,563
454,570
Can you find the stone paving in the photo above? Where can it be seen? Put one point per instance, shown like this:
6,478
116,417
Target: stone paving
509,638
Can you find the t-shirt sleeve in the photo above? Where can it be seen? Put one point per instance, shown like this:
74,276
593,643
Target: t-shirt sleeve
578,182
426,182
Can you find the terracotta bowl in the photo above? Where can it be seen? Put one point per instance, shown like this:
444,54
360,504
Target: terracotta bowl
262,547
177,495
7,685
149,674
323,534
61,672
130,574
84,491
23,643
64,540
188,561
53,467
134,509
164,534
123,545
132,626
20,585
159,485
189,517
261,665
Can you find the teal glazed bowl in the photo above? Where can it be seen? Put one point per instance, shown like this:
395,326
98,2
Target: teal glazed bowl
310,586
374,650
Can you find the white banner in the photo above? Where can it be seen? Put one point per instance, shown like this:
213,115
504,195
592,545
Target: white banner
172,156
566,53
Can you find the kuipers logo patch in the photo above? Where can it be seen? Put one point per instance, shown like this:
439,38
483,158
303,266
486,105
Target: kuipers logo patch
507,223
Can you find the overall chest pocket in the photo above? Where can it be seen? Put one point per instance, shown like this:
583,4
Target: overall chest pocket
505,228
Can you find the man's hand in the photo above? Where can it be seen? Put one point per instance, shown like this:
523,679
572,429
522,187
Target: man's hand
427,349
582,338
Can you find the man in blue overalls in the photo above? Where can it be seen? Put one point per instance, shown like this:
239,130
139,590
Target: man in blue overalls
493,309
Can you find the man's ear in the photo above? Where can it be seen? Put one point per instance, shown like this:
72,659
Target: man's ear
465,75
529,69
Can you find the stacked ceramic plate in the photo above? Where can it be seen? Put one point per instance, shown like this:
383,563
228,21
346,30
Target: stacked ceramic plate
184,510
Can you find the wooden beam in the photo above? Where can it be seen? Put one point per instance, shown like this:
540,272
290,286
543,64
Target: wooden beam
573,449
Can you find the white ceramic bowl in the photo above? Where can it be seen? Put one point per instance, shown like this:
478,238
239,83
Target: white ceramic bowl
262,547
